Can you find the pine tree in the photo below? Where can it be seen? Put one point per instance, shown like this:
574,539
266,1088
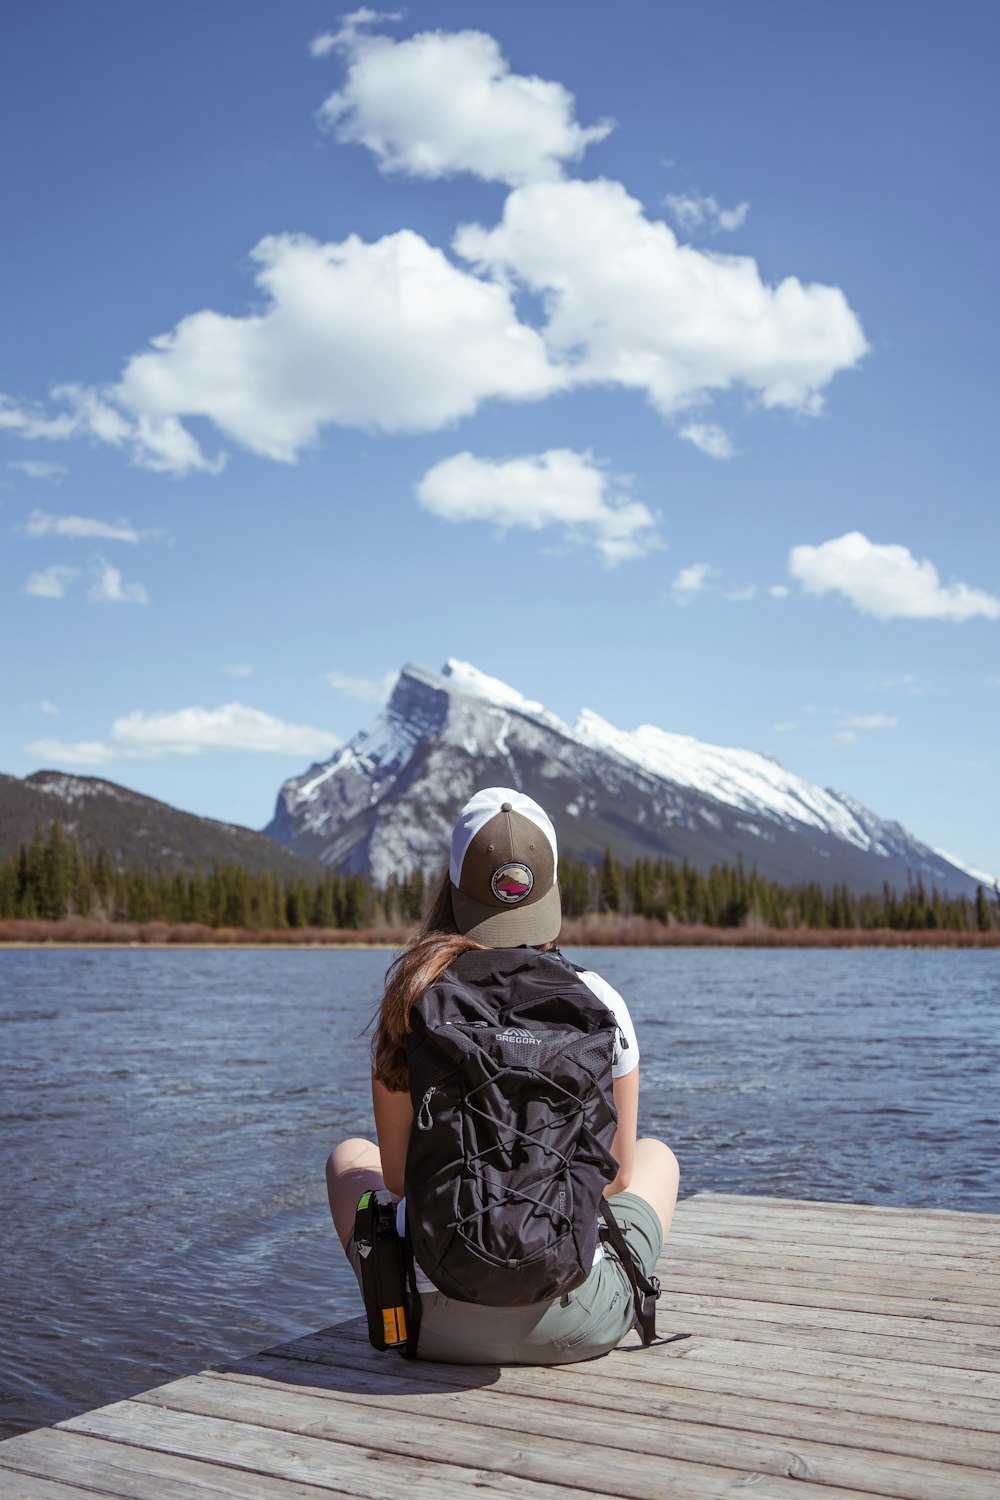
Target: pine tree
983,920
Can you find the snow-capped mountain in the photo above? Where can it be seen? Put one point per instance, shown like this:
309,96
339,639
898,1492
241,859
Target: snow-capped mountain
386,802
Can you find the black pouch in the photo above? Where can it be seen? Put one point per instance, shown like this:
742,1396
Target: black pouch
383,1270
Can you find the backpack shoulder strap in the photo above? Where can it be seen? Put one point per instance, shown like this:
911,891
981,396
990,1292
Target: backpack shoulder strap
645,1289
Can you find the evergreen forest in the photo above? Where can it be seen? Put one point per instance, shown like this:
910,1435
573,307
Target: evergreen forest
50,879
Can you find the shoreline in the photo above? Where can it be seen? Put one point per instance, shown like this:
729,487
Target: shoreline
585,932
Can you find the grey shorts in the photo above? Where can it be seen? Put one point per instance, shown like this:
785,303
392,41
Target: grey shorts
582,1324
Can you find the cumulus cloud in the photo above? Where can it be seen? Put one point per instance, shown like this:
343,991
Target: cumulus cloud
697,210
778,591
76,528
35,468
191,731
440,103
887,581
389,335
368,689
398,336
50,583
710,438
626,303
108,587
559,488
692,580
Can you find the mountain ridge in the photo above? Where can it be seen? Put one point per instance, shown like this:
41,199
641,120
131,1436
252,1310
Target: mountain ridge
385,801
133,830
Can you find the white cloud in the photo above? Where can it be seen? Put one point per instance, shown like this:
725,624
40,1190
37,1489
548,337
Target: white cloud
784,725
692,580
240,669
58,753
39,523
191,731
778,591
389,335
188,731
157,441
445,102
696,210
108,588
742,595
368,689
870,721
886,580
50,583
36,469
44,707
710,438
394,336
846,736
558,488
328,41
627,304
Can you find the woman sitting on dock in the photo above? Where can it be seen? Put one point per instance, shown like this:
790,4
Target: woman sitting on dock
501,893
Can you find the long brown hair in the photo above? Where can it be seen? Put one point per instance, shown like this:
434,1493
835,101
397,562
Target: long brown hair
436,942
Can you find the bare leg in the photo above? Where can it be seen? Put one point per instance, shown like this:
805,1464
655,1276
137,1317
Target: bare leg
655,1176
352,1168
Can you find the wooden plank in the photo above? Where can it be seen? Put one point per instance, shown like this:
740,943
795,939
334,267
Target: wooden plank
850,1215
686,1247
981,1241
917,1375
76,1464
691,1254
553,1409
653,1450
926,1327
860,1296
31,1487
408,1467
984,1358
764,1203
636,1383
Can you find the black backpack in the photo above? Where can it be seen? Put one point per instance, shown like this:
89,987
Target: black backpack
509,1057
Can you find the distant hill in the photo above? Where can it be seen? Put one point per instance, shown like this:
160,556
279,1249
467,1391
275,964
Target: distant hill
386,802
133,830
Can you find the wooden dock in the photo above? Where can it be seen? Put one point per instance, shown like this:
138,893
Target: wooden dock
849,1348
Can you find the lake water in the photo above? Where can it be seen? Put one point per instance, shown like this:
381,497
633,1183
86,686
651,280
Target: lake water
166,1117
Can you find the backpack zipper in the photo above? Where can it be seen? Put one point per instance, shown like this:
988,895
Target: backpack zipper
424,1121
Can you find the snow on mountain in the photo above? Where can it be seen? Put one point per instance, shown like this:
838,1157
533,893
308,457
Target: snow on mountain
386,801
742,778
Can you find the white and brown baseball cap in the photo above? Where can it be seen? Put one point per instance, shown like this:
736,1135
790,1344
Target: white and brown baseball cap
503,871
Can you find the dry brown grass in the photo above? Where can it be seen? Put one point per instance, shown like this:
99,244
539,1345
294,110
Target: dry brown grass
76,931
608,931
597,931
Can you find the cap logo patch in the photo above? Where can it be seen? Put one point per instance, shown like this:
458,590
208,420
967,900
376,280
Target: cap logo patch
511,883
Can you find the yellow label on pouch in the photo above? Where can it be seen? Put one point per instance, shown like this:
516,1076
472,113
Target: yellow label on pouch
394,1325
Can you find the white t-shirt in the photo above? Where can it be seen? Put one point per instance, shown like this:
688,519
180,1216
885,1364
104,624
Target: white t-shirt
624,1059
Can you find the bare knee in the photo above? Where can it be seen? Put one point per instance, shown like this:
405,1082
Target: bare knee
352,1167
655,1177
348,1155
659,1157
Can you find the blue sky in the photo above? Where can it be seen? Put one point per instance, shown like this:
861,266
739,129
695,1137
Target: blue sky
640,357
